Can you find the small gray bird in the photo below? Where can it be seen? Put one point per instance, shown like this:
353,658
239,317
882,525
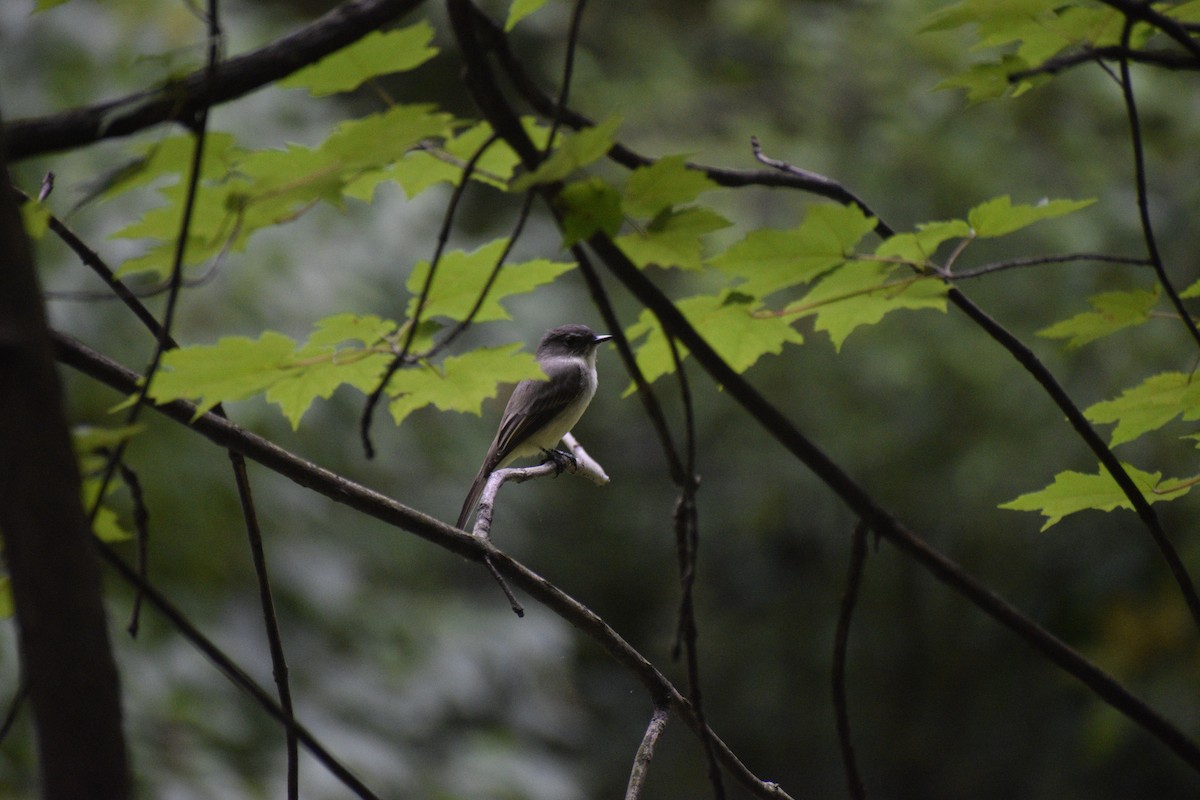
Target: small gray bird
541,412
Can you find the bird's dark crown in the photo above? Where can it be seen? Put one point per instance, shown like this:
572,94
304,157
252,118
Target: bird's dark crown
571,339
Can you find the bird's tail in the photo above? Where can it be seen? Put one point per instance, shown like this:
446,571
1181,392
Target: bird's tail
473,496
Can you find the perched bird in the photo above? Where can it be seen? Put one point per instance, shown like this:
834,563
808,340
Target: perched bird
541,412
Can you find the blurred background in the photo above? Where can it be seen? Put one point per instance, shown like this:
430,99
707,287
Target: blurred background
407,662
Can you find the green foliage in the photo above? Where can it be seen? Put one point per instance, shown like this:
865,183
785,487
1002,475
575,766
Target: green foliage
576,151
768,261
588,206
377,53
462,276
1114,311
999,217
460,383
674,238
1072,492
727,321
1149,406
245,191
344,349
667,182
521,9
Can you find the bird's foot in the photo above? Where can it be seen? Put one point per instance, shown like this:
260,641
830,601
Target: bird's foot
561,459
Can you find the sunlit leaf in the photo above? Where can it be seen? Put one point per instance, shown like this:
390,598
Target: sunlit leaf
588,206
377,53
770,260
460,383
519,10
578,150
1113,312
461,277
998,217
1072,492
1149,405
673,238
665,183
35,218
726,321
862,292
919,247
234,368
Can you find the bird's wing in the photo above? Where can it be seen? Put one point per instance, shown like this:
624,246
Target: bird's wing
544,401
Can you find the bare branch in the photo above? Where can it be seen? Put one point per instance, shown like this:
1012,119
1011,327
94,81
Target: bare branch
645,752
181,100
1090,55
858,559
473,548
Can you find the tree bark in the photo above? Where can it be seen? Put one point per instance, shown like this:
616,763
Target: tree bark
53,568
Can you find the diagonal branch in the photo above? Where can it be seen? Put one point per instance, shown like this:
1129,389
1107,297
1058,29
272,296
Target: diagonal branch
181,100
504,121
224,433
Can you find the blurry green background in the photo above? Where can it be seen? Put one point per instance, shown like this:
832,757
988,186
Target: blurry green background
407,662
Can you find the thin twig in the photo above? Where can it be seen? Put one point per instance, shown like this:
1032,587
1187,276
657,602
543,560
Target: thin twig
858,558
1083,428
180,100
1089,55
504,121
687,538
141,529
402,356
231,670
1037,261
1143,195
279,668
225,434
645,751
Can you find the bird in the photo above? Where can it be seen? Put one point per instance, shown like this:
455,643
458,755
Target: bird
541,412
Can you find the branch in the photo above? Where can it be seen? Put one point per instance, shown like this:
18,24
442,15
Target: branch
854,573
645,752
1143,11
184,98
1090,55
505,122
1083,428
1143,194
224,433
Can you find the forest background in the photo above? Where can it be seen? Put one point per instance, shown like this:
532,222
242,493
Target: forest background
407,662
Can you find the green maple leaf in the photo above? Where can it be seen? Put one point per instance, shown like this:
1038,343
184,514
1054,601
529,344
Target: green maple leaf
1113,312
461,277
726,321
862,293
377,53
519,10
920,246
770,260
588,206
673,238
234,368
1149,406
999,217
665,183
578,150
1072,492
460,383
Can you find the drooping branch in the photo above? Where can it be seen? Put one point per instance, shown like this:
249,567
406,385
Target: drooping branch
504,121
181,100
224,433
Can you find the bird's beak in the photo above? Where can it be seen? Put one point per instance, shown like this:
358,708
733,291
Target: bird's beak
601,338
